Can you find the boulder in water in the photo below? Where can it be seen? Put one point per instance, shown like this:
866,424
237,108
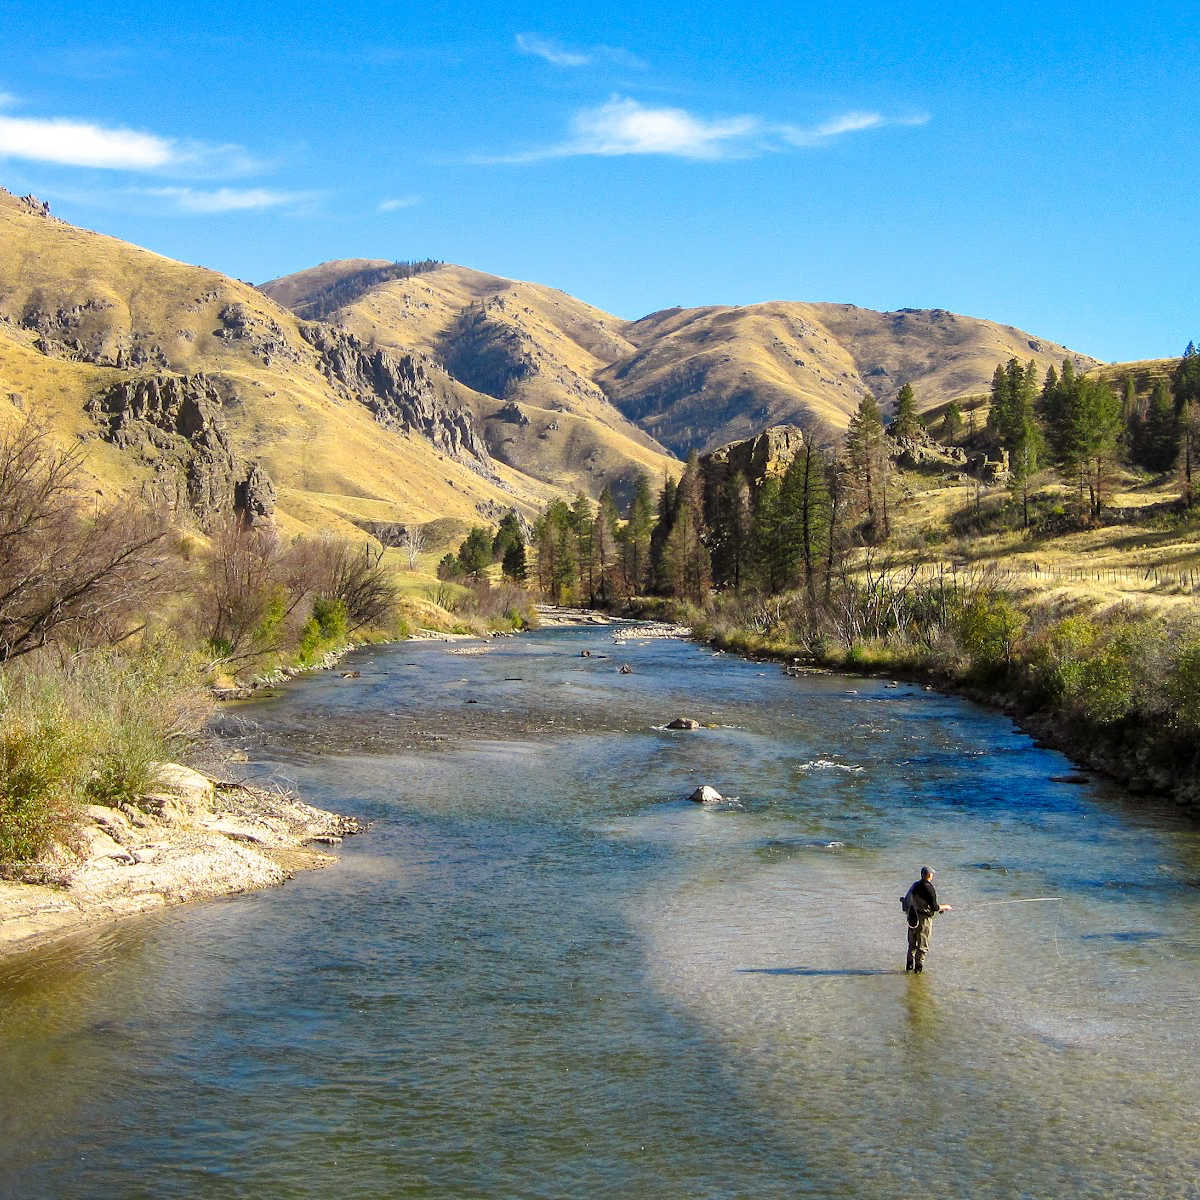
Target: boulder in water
684,723
706,795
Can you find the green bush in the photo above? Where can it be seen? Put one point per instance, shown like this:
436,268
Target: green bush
87,730
988,627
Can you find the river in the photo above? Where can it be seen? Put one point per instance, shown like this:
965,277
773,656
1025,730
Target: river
544,973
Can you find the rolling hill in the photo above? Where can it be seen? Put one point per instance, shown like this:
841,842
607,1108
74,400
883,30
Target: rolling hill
362,392
690,378
182,381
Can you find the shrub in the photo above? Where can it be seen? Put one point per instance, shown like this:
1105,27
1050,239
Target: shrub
88,729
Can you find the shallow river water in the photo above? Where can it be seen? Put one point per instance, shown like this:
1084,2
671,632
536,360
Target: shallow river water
544,973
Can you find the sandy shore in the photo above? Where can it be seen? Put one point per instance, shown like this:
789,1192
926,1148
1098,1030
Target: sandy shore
192,839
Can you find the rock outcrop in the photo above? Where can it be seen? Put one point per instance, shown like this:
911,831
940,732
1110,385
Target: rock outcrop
403,393
756,458
175,422
189,840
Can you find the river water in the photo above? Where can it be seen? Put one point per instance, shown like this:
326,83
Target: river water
544,973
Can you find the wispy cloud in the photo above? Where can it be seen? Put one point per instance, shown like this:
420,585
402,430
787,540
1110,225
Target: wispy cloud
227,200
851,122
623,126
553,51
66,141
395,203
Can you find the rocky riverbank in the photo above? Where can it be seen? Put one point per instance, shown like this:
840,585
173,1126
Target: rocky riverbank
191,839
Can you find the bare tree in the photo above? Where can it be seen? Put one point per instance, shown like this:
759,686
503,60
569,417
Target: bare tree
413,543
65,574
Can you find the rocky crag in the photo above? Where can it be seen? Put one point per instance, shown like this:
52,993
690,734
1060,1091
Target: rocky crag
174,423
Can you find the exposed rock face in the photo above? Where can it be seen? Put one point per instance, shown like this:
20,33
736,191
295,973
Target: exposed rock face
401,393
757,458
175,421
923,452
263,337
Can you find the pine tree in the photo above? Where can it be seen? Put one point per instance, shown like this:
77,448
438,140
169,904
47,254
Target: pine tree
658,574
1159,447
582,525
686,556
604,548
1189,449
867,454
514,564
730,531
805,496
952,422
907,423
635,537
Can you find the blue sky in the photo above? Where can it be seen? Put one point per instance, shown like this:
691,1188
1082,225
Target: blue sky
1038,165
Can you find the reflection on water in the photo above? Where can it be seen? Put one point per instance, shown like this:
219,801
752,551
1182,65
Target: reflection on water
544,973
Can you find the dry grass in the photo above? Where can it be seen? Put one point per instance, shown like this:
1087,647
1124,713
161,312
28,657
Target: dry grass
332,463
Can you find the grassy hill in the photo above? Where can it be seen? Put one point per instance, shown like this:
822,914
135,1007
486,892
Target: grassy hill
705,377
82,314
525,357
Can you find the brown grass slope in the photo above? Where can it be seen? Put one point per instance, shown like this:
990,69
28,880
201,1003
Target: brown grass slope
705,377
80,311
525,355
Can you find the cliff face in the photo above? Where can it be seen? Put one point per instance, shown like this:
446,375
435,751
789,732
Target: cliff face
402,393
174,423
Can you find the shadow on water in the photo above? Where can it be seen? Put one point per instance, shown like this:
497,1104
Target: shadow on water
812,971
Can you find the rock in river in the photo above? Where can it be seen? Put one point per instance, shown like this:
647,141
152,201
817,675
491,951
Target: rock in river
684,723
706,795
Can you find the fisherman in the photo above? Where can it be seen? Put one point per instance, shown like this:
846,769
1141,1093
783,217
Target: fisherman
920,904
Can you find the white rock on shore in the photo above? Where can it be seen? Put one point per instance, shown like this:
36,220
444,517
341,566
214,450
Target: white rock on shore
189,840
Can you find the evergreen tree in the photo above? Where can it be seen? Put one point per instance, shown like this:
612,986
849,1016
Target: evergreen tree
635,537
952,422
1185,379
475,553
604,549
768,538
867,453
1189,450
686,556
582,525
658,574
730,531
557,553
907,423
514,564
1159,443
806,502
508,534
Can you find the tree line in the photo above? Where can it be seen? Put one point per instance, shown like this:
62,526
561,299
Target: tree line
1085,429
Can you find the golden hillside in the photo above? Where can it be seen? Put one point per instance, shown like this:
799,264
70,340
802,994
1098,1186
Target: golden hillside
90,321
705,377
692,378
526,357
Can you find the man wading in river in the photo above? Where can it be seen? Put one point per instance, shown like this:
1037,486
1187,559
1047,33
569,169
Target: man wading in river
920,904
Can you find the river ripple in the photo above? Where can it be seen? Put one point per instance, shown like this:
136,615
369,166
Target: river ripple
544,973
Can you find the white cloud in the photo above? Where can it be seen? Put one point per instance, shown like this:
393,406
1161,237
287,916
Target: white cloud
82,144
398,202
850,122
624,126
65,141
552,51
226,200
555,52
